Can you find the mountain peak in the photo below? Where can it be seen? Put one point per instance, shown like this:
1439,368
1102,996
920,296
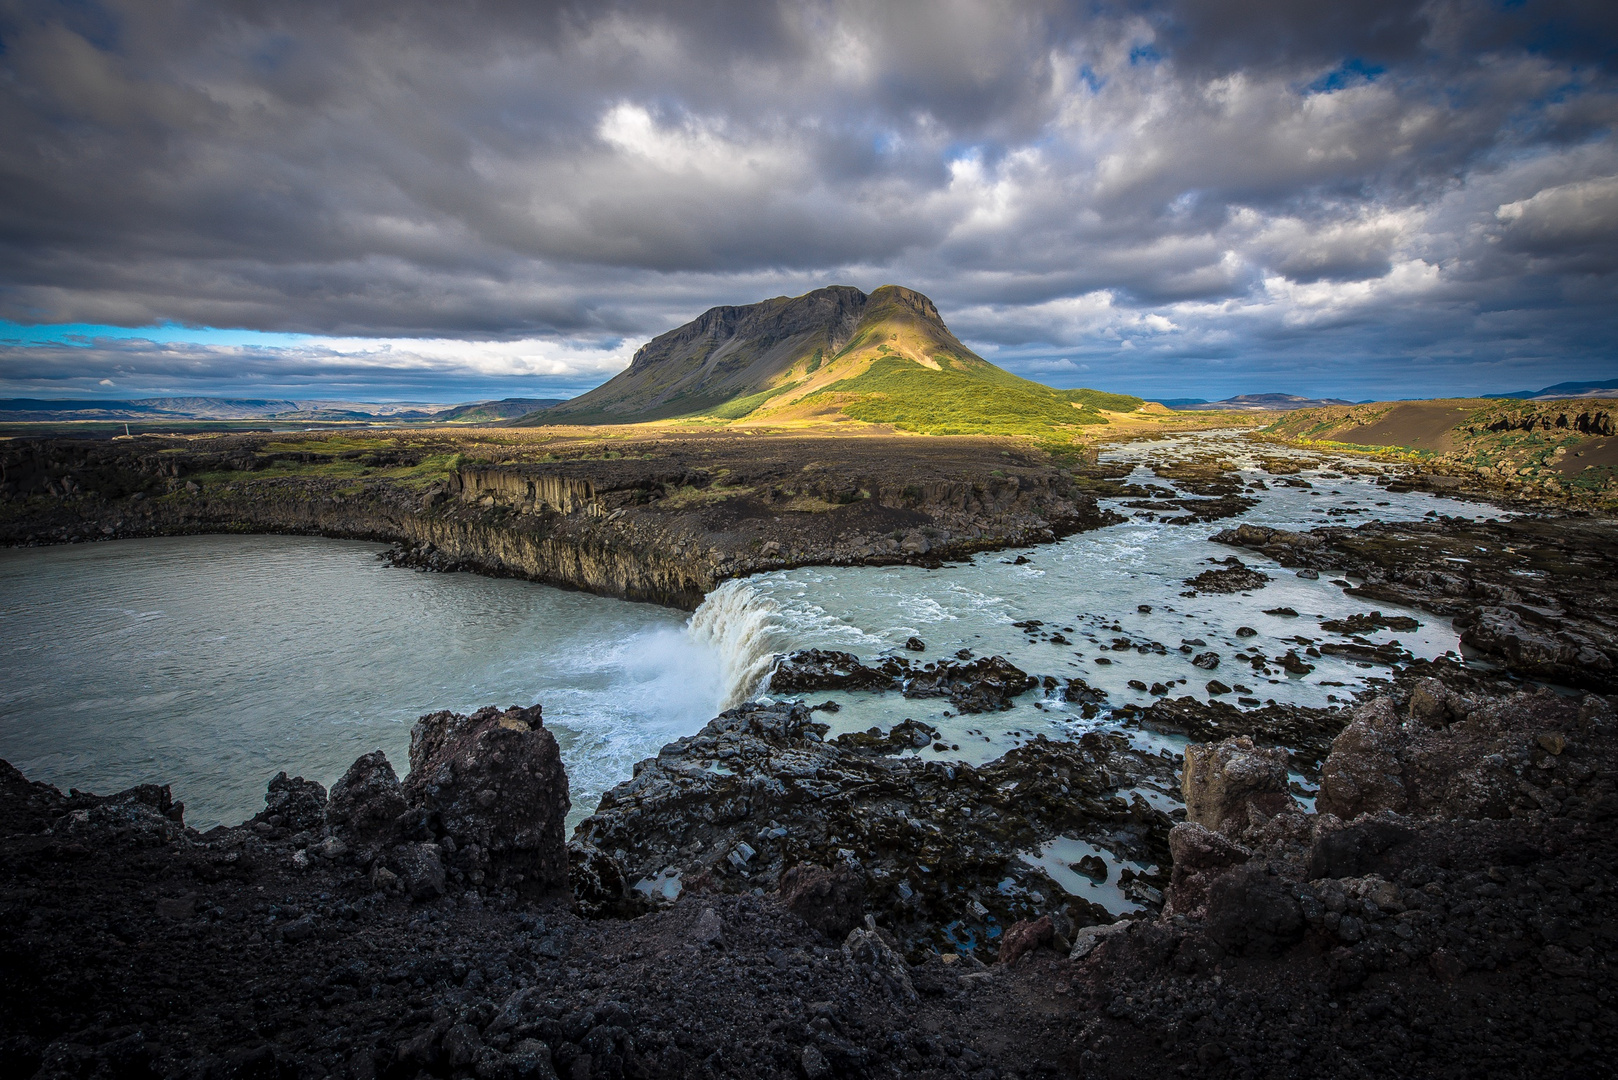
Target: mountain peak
783,348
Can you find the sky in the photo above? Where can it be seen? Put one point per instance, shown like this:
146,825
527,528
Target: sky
403,200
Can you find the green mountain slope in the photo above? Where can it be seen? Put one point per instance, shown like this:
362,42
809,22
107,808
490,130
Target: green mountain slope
834,354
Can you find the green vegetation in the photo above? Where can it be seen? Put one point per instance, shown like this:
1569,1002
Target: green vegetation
1100,399
988,401
736,408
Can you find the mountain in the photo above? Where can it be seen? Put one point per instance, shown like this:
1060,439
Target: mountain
160,408
1253,403
1603,388
829,355
504,409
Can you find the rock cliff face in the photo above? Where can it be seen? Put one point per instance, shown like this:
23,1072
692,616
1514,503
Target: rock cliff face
664,520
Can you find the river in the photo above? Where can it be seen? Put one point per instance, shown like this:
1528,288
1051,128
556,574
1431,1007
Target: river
212,662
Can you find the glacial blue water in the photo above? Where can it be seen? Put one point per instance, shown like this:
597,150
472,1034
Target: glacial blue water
213,662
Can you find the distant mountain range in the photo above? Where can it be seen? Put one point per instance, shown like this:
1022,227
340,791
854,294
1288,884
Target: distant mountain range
831,355
160,409
1603,388
1251,403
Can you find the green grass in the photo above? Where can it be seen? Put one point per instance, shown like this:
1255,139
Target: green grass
950,402
1100,399
736,408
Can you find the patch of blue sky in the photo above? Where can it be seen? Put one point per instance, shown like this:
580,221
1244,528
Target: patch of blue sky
12,333
1351,72
1144,54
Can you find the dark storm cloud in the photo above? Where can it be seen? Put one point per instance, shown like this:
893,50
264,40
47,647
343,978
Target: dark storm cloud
1197,181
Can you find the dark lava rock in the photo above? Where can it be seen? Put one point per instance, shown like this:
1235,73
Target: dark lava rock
495,779
365,805
932,841
1207,661
1235,578
1365,624
829,900
915,644
828,669
984,685
1534,595
294,804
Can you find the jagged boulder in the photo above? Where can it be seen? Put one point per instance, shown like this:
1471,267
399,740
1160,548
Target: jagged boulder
1363,773
293,803
1234,784
496,782
365,805
1200,857
1513,755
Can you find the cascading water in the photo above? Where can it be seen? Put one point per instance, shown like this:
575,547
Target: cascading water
741,627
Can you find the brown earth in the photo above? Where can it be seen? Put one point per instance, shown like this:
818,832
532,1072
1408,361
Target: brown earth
1422,425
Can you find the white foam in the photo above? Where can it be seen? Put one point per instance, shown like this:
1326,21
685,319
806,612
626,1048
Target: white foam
741,627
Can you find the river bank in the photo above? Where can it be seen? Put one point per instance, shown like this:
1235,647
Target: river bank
644,515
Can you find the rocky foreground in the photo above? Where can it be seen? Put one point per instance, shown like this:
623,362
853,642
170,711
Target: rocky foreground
1447,909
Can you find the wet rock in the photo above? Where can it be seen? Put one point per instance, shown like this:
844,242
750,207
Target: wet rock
294,804
495,778
983,685
827,669
1234,784
905,735
1236,577
1207,661
915,644
987,684
931,840
365,804
829,900
1369,623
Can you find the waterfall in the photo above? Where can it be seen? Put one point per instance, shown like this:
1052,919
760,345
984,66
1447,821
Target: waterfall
741,627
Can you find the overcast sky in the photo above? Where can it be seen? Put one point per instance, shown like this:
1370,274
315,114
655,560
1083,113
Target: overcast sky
447,201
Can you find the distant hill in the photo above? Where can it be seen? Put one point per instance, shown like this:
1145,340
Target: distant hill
1252,403
829,355
504,409
1603,388
210,408
157,408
